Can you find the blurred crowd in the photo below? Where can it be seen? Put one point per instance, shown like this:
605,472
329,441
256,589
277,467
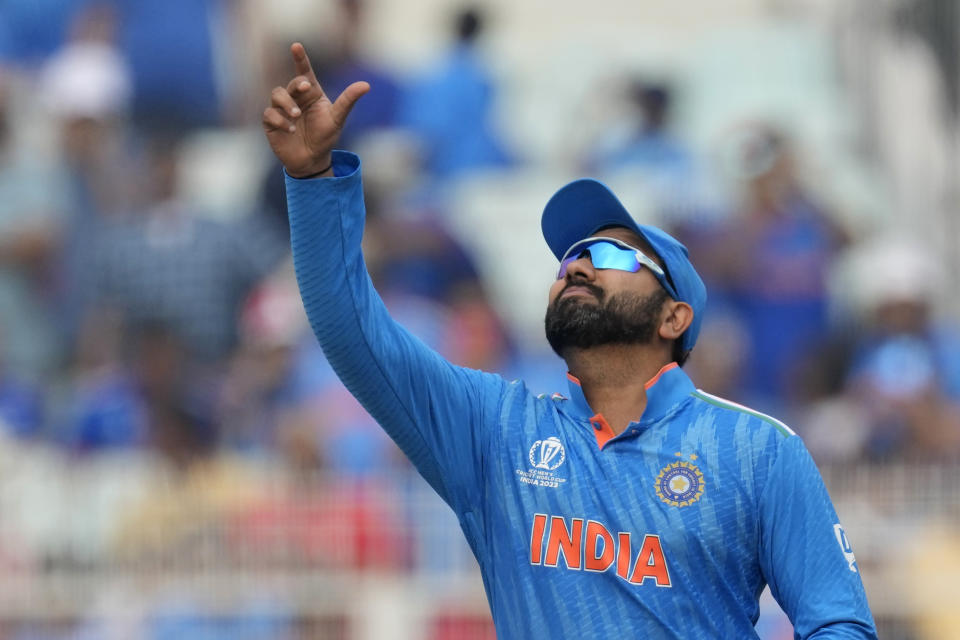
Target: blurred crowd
134,319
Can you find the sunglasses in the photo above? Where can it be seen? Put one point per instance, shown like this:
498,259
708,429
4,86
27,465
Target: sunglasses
610,253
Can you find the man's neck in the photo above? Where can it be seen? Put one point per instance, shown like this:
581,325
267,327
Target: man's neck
613,377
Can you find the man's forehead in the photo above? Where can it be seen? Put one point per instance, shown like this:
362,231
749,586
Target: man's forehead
629,236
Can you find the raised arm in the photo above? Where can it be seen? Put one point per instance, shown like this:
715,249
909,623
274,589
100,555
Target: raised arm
439,414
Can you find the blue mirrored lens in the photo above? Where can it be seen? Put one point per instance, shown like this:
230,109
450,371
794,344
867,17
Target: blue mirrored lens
604,255
563,266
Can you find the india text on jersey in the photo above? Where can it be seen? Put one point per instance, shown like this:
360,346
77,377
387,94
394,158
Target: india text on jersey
594,548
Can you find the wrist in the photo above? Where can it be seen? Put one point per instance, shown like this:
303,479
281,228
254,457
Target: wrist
325,172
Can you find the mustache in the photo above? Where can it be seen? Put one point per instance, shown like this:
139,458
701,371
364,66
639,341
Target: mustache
592,288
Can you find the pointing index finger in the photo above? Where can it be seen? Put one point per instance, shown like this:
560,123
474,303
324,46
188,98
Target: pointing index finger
301,62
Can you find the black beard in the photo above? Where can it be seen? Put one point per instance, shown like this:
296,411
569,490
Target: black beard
572,323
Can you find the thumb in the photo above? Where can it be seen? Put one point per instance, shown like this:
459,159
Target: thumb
346,101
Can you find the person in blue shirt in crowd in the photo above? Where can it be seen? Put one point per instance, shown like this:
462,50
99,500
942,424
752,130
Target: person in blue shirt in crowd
646,147
885,385
171,48
636,504
768,263
450,107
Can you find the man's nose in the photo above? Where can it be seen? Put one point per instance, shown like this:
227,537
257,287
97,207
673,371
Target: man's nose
582,268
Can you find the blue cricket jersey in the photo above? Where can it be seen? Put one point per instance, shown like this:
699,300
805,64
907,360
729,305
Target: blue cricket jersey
670,529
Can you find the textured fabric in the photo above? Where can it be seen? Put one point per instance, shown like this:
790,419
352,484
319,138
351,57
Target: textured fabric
669,530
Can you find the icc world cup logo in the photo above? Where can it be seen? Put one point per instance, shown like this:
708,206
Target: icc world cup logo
547,454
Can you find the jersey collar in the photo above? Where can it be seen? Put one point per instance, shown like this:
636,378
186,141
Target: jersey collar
665,390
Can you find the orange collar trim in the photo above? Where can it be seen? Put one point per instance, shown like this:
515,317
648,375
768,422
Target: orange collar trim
652,381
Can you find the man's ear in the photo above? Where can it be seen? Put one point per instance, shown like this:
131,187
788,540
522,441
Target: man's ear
676,319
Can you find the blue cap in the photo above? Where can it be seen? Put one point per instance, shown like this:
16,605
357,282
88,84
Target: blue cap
583,207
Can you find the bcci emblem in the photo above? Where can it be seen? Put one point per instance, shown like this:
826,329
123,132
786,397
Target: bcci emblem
547,454
679,484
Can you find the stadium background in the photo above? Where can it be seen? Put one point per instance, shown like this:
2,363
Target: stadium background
177,461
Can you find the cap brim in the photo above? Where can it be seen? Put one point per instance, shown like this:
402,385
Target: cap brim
578,210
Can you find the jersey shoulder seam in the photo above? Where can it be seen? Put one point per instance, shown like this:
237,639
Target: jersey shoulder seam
723,403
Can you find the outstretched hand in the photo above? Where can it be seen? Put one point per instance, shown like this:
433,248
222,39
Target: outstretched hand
301,123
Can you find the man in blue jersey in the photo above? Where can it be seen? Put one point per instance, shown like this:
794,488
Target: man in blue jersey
633,506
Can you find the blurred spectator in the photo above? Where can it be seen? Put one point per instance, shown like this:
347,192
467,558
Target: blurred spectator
645,147
451,106
87,86
718,361
21,406
146,397
170,264
900,393
410,252
33,29
86,89
767,264
280,398
170,47
259,395
101,406
178,399
32,207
